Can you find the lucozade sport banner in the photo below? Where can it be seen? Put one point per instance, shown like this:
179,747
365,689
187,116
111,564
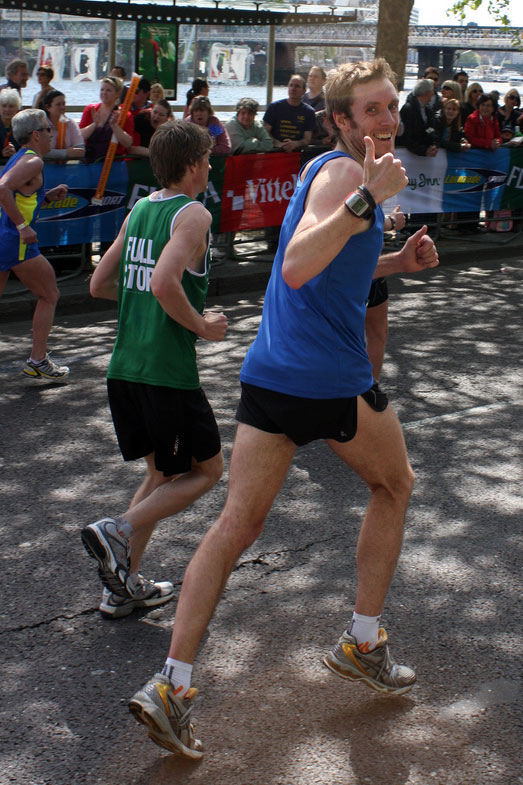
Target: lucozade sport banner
75,219
462,182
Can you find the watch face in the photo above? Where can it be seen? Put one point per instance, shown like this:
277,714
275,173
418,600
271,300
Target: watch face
358,205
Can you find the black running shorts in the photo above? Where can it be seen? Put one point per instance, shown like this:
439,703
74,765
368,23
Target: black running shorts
378,294
304,419
175,425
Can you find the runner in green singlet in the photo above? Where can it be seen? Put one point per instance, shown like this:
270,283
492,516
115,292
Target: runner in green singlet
158,270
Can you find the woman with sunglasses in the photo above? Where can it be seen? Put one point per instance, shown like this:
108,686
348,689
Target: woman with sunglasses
474,90
509,113
22,194
44,76
450,89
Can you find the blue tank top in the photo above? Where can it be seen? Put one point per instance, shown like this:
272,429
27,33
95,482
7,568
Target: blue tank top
311,340
12,249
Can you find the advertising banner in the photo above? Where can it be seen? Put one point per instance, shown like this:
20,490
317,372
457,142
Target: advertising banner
461,182
475,180
157,53
83,63
253,191
53,56
424,192
229,64
513,191
75,220
257,189
142,182
212,198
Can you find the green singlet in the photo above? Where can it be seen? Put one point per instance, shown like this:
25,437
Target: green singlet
152,348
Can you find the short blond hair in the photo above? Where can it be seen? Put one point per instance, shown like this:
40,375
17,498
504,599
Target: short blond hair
115,82
341,82
339,89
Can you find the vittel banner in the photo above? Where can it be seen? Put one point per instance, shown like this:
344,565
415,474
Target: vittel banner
257,190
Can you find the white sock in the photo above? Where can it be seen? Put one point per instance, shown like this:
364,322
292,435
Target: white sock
123,527
365,630
179,674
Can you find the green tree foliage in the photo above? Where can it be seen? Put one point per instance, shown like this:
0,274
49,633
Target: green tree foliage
497,9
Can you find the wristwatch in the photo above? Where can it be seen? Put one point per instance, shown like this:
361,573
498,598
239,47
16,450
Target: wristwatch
358,204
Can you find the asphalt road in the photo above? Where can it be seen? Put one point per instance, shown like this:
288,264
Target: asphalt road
268,712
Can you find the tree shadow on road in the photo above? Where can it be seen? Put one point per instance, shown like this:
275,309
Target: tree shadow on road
270,713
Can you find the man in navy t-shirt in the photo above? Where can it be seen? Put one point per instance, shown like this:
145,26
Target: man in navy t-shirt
290,122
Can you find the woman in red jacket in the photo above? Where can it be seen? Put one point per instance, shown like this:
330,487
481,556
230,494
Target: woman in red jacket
482,127
100,121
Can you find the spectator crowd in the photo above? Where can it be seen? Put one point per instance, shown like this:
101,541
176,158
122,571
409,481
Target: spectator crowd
456,116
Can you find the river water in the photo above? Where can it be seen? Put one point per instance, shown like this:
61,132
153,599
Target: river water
83,93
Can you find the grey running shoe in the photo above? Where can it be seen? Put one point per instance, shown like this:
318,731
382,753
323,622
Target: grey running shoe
46,369
166,716
143,594
377,668
111,550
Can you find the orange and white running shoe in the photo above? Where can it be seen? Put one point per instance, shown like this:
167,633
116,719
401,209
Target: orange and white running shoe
377,669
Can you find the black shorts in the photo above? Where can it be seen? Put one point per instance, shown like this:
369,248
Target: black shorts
378,294
304,419
175,425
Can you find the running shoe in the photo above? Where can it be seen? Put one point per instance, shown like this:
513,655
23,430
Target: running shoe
46,369
377,668
111,550
143,594
167,717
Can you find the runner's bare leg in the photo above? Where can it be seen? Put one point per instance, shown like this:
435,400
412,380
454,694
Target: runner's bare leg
38,276
167,496
259,464
378,454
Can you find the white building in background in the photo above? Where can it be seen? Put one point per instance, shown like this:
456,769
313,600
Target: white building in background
367,9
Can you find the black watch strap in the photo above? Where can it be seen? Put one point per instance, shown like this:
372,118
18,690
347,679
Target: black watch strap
368,196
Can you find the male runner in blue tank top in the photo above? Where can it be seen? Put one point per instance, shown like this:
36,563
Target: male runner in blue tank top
22,194
307,376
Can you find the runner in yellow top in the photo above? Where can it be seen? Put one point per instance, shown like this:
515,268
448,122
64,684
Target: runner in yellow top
22,193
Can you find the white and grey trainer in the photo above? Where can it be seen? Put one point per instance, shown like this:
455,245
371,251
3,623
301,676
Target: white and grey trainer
46,369
142,594
103,542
